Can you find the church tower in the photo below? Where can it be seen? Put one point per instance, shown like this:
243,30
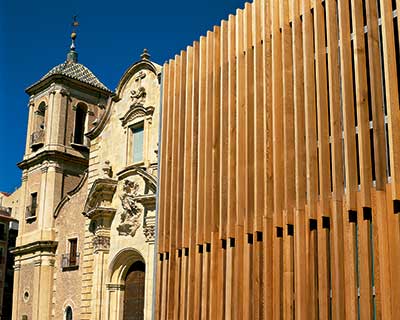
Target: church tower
64,105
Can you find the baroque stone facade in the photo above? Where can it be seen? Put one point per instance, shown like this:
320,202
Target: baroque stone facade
86,206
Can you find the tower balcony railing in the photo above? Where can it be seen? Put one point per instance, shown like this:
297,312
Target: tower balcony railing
37,138
5,211
70,261
30,212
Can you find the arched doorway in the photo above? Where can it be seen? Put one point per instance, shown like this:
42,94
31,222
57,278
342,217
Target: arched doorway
134,292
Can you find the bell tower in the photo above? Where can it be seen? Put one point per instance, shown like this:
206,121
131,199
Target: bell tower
64,105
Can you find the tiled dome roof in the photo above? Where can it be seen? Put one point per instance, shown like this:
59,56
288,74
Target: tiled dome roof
77,71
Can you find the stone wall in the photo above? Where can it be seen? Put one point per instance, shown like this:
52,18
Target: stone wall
69,223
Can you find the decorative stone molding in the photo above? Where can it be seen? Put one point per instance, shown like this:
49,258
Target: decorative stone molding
138,96
135,112
115,287
65,92
131,216
149,233
100,196
101,243
106,168
37,246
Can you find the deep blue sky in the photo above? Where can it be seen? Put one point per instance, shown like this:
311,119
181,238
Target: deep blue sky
34,37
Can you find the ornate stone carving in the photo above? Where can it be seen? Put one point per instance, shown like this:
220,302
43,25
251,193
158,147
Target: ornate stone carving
138,96
101,243
107,172
149,233
130,217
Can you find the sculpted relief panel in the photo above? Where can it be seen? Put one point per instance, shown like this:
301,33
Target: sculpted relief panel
132,213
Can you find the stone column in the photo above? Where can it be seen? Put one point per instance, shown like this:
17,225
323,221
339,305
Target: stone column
50,195
50,116
101,250
16,288
44,268
23,204
115,293
29,129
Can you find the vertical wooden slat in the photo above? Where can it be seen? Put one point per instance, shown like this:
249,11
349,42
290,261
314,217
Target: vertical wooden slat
392,94
216,122
163,165
201,145
248,47
346,80
188,155
277,114
241,172
259,131
310,110
193,178
288,160
208,138
360,77
231,127
375,76
268,227
323,158
288,113
301,306
224,133
278,168
172,275
338,302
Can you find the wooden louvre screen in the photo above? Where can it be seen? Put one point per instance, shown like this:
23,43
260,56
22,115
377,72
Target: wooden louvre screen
279,192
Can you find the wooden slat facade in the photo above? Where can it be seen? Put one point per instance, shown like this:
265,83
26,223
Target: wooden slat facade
280,166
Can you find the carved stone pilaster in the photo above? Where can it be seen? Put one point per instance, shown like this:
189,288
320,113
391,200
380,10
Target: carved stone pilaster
101,243
149,233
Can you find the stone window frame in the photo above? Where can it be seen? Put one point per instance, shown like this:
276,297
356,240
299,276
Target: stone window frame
65,312
87,112
67,252
140,123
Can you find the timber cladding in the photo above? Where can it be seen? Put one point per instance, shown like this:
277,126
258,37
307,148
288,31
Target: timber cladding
280,166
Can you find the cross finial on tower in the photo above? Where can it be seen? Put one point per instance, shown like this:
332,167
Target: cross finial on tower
72,55
145,55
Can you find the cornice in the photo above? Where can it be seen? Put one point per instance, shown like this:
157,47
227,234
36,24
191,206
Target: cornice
52,155
47,246
101,192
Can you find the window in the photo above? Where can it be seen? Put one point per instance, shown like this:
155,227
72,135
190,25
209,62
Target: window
73,251
2,231
31,209
37,135
68,313
137,143
70,259
40,116
80,119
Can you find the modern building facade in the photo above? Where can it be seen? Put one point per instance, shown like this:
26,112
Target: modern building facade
280,166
